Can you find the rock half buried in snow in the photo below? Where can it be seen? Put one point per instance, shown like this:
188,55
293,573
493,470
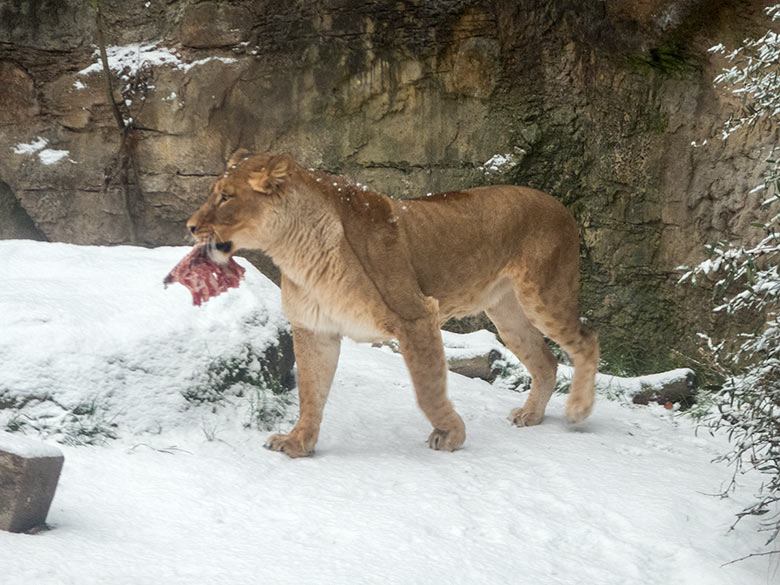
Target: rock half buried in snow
203,277
675,387
473,354
469,354
478,366
29,471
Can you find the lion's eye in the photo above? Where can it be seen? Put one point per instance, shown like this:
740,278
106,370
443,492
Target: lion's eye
223,198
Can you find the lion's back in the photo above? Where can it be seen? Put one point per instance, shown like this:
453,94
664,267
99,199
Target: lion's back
467,239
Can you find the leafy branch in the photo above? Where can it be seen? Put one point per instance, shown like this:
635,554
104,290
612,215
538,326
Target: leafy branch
747,405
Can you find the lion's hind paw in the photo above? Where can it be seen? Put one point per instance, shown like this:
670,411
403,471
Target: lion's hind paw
521,417
441,440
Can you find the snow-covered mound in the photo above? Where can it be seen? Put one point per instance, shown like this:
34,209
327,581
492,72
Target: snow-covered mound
91,337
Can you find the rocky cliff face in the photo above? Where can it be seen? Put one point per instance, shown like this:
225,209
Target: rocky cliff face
595,102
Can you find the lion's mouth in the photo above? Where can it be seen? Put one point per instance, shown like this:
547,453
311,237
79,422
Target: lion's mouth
224,246
219,252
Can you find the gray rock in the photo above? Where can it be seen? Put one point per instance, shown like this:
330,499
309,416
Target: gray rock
212,24
29,471
470,365
20,103
15,224
680,391
480,366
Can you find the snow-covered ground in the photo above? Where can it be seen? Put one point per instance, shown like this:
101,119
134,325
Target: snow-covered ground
624,498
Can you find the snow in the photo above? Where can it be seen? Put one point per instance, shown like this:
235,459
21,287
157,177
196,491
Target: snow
626,497
50,156
470,345
26,447
47,156
187,66
30,147
128,60
499,163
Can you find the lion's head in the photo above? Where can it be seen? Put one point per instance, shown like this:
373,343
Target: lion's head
237,211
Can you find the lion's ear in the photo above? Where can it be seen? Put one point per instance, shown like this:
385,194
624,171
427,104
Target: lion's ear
258,180
237,157
280,167
273,175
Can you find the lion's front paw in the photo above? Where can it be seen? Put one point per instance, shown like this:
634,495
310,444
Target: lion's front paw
290,445
448,440
521,417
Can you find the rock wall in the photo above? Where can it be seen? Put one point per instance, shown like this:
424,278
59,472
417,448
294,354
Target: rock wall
595,102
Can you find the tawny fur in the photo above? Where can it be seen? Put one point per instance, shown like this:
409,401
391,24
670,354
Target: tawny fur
356,263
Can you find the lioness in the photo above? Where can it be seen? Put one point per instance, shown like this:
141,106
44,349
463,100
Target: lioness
359,264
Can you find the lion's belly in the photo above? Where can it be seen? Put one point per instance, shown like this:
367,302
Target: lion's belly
347,319
470,300
349,315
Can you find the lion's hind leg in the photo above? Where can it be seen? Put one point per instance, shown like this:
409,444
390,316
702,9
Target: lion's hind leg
584,351
556,315
527,343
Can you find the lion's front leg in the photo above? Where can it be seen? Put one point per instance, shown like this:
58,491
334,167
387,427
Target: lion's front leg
316,355
423,352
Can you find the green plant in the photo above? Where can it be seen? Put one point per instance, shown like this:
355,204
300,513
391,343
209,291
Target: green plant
562,384
87,423
512,376
231,375
16,424
93,429
746,406
209,429
263,383
266,408
666,58
516,377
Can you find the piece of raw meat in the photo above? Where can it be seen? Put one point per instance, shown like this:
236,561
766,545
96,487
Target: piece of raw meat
203,277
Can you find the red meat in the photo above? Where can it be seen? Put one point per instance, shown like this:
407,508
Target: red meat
203,277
